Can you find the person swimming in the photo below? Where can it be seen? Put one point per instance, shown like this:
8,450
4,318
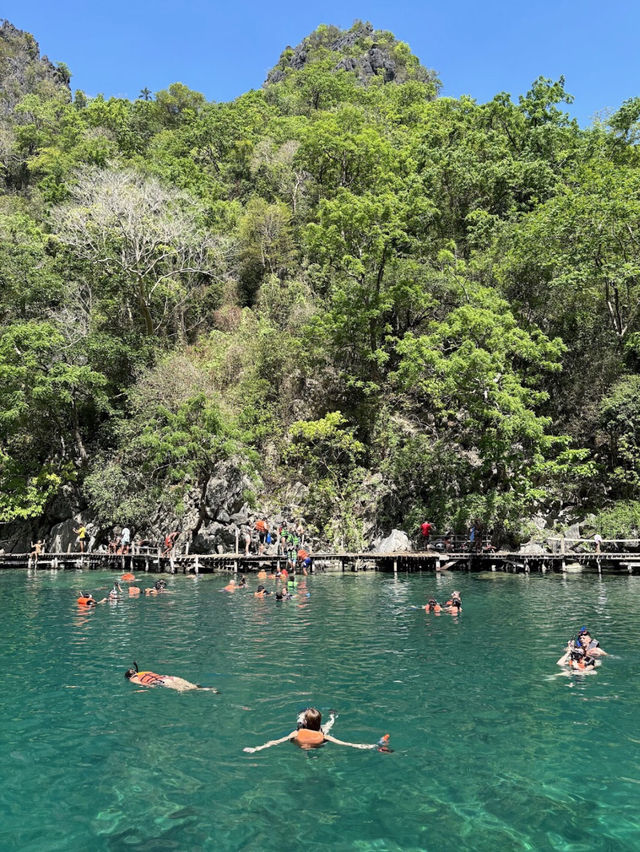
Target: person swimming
432,605
87,599
589,644
148,678
261,592
576,658
116,591
311,733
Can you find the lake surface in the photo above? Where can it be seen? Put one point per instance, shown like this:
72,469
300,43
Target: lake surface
495,749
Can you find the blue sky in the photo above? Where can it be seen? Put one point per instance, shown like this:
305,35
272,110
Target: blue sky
223,48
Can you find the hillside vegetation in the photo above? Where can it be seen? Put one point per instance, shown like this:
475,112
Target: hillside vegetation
374,303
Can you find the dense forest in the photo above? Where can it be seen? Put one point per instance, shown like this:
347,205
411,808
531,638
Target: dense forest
341,297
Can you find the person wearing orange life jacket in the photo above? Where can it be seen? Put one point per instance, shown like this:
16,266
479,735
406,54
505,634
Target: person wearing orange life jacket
311,733
454,604
87,599
148,678
261,592
304,560
432,605
262,529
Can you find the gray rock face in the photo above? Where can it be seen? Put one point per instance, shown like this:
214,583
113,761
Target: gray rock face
397,542
355,50
348,39
532,547
23,70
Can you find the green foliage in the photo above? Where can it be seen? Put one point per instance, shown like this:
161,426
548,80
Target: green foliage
339,279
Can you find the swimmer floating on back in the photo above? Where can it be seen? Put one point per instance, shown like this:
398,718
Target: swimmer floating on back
169,681
310,733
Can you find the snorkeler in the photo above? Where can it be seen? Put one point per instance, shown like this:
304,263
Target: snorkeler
577,660
577,657
116,591
589,644
169,681
310,733
87,599
432,605
261,592
158,587
454,604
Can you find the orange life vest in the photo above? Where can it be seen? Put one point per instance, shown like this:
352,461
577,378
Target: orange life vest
302,555
308,739
86,601
149,678
127,577
261,526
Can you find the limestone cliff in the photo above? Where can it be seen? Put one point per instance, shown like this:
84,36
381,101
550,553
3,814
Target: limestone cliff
366,52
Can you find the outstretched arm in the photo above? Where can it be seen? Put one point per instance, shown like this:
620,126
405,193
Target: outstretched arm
251,749
331,739
564,659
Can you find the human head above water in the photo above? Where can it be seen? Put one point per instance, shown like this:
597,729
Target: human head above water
310,719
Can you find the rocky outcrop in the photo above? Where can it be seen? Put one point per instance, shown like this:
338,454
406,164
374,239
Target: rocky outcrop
24,71
362,50
397,542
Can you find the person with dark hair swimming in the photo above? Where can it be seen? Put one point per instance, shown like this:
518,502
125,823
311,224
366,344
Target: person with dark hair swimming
148,678
87,599
577,660
311,733
589,644
454,604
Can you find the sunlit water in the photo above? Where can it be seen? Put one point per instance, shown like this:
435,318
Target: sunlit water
495,749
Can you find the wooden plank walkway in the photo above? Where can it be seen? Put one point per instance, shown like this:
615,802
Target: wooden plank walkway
430,560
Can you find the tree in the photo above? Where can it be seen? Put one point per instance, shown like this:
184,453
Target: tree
144,244
45,402
327,454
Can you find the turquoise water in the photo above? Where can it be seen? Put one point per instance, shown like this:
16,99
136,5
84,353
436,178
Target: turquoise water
495,749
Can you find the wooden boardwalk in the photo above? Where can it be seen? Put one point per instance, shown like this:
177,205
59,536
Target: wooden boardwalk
431,560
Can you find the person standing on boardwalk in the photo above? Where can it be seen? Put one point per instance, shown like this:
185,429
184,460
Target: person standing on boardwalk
425,529
169,542
36,550
125,539
81,532
598,540
262,528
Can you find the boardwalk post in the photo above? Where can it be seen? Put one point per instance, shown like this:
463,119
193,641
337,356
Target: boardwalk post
395,566
197,566
146,564
237,537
